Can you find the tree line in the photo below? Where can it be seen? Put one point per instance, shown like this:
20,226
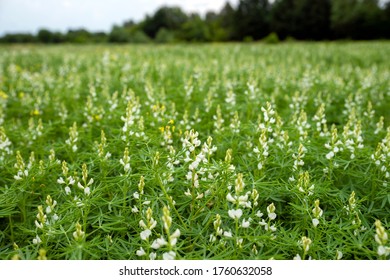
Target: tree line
250,20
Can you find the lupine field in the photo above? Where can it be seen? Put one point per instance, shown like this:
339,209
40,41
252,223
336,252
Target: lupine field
216,151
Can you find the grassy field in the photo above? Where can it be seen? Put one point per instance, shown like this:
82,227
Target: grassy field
225,151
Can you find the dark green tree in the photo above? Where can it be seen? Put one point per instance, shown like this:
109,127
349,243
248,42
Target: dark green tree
45,36
18,38
195,30
251,19
356,19
170,18
302,19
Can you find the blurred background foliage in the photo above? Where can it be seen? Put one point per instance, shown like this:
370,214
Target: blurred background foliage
250,20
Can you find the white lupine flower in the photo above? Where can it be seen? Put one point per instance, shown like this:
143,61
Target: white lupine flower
87,191
80,185
142,224
330,155
235,214
383,251
152,256
169,255
271,228
243,201
339,255
306,242
297,258
174,236
245,224
158,243
60,180
271,211
141,252
37,240
78,234
259,214
38,224
230,198
227,234
145,234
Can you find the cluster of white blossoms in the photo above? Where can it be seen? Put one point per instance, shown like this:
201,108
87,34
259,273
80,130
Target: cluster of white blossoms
92,112
169,242
268,119
132,115
235,123
125,161
147,227
334,146
217,223
78,234
167,135
252,90
22,169
317,213
230,98
171,162
240,201
298,158
68,181
39,223
282,137
381,156
379,125
304,185
218,120
186,122
381,238
159,114
101,147
265,127
321,122
52,158
353,212
305,243
86,184
34,130
190,143
261,150
271,216
302,125
352,134
45,218
73,137
5,144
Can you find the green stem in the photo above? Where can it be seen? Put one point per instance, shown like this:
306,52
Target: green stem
11,225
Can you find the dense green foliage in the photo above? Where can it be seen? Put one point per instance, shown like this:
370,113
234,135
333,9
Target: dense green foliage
223,151
250,20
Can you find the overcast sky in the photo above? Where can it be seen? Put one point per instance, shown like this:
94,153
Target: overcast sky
94,15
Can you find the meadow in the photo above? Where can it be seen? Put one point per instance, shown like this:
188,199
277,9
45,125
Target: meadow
209,151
